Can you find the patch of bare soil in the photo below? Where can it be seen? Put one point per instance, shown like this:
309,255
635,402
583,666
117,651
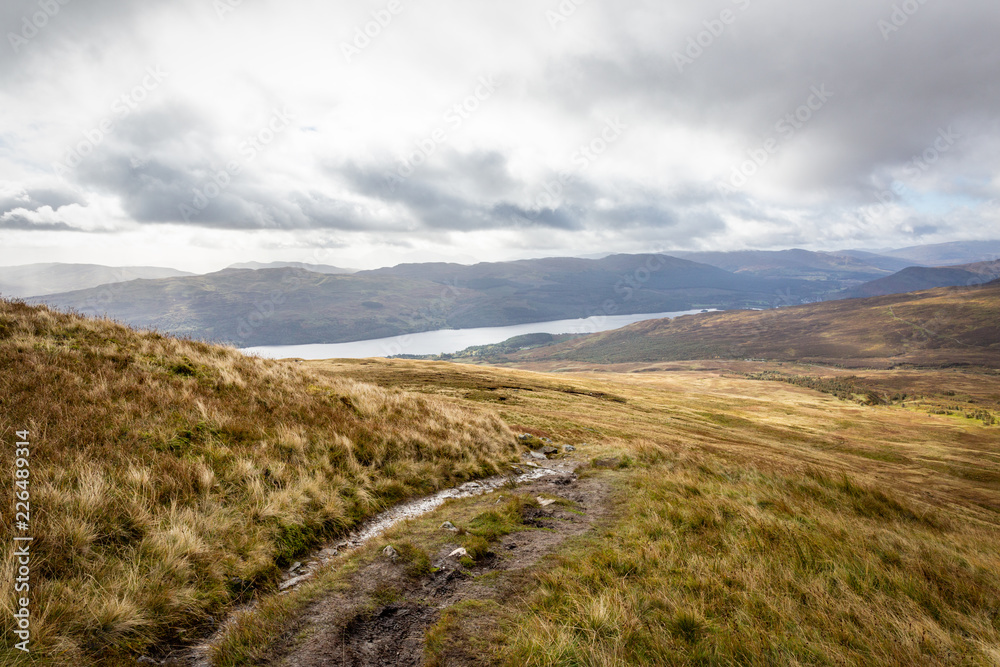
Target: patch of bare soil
383,618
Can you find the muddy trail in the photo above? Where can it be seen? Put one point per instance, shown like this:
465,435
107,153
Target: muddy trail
522,475
384,615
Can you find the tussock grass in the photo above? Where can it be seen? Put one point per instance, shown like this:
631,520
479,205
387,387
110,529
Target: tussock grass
171,478
711,563
756,523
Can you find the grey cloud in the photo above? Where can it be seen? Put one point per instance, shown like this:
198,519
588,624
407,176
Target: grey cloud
78,29
19,222
32,200
890,97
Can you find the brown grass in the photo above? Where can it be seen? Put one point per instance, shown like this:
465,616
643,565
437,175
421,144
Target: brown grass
171,479
942,327
756,523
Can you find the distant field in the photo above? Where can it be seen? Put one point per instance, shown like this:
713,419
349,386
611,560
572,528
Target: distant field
740,512
755,522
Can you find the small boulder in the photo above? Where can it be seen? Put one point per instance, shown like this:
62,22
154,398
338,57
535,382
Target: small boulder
294,581
448,525
537,455
548,450
544,502
458,553
390,553
569,448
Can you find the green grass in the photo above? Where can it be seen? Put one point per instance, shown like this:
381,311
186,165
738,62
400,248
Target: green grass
171,480
941,328
707,563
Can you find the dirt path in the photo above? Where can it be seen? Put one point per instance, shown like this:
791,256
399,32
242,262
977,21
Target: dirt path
383,618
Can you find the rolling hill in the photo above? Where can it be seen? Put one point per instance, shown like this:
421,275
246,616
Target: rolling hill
691,516
316,268
955,325
946,254
171,480
835,268
39,279
916,278
293,306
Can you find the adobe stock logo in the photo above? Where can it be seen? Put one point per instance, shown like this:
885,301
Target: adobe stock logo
787,127
123,107
30,26
699,43
455,117
370,31
901,15
249,149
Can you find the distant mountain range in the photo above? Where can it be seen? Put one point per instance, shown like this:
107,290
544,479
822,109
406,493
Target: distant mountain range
254,304
40,279
801,264
941,254
317,268
917,278
293,306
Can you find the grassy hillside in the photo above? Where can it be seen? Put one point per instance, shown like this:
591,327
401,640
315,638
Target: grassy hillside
752,523
746,521
291,306
169,479
937,327
917,278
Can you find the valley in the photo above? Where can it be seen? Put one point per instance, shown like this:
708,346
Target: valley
838,502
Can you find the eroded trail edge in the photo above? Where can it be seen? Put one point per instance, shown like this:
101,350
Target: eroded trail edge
384,616
523,476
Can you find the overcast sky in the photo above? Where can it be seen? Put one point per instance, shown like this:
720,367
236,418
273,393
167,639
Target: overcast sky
197,133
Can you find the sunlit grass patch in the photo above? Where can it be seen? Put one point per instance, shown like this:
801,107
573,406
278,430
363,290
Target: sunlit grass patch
707,564
172,479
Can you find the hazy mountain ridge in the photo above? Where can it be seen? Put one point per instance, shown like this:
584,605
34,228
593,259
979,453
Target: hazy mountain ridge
800,263
316,268
41,279
916,278
946,254
292,306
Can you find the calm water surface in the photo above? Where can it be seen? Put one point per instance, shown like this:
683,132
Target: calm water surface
448,341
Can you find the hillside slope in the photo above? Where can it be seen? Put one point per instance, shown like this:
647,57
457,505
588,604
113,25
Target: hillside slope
937,327
317,268
170,479
916,278
798,263
291,306
750,522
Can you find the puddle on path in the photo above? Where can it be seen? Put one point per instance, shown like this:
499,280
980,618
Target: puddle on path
302,571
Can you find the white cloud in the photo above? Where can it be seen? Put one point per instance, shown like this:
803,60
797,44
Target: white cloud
322,179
